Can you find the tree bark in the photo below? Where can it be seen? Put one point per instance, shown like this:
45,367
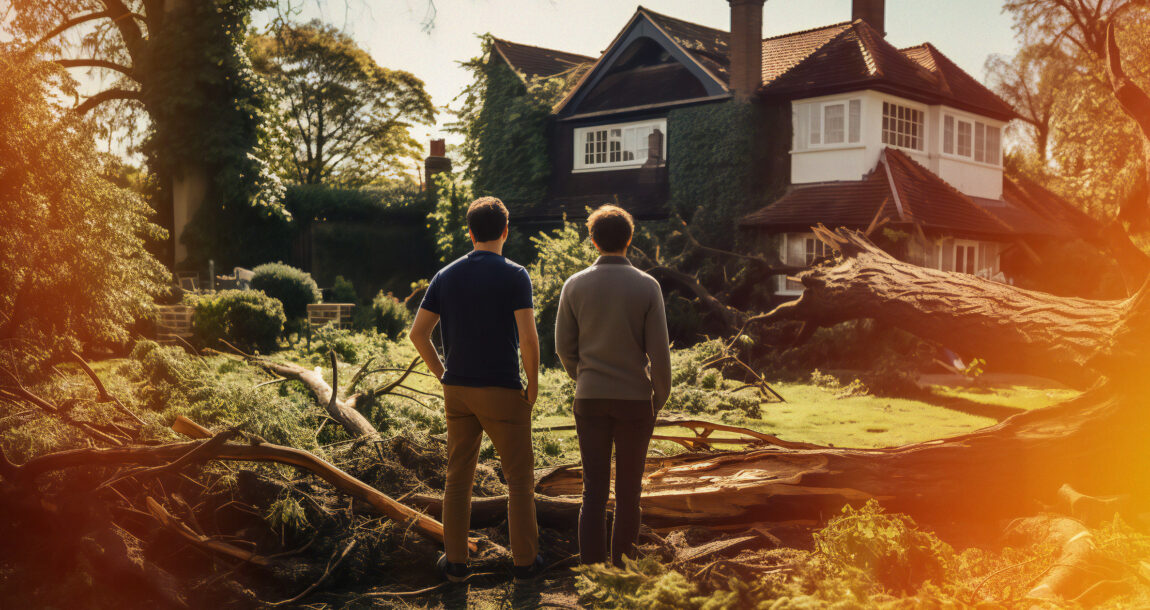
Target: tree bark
1011,328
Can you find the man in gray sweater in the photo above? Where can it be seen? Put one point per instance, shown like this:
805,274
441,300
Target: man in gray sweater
611,336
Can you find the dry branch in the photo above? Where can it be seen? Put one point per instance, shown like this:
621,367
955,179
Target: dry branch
261,452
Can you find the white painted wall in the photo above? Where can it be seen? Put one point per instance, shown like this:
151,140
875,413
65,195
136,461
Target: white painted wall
826,163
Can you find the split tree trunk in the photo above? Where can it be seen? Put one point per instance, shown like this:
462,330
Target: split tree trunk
1011,328
1096,442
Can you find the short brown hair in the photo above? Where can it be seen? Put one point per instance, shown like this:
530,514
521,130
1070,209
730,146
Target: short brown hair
611,227
487,217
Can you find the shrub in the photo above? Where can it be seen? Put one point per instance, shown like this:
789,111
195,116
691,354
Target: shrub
888,547
293,287
248,319
343,291
387,315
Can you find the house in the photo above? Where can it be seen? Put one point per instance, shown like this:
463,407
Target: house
859,134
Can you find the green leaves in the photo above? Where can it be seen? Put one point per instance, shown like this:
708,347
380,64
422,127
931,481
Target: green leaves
340,118
74,269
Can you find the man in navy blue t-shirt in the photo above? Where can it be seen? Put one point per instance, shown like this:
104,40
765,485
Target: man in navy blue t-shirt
483,302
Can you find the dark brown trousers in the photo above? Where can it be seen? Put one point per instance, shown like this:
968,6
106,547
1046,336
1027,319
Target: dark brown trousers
626,425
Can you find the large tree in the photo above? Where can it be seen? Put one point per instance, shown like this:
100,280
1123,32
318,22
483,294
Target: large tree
181,68
74,271
346,119
1076,136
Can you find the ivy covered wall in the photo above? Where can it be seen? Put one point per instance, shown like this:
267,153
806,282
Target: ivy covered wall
505,122
725,160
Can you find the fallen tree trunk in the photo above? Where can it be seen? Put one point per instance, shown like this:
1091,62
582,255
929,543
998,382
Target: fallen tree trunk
1011,328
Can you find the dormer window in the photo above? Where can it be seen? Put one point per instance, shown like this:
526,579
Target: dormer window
971,139
902,126
618,146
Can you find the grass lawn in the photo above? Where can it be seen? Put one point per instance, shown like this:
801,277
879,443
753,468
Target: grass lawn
815,415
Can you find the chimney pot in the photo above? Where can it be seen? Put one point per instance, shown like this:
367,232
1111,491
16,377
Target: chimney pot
438,148
746,48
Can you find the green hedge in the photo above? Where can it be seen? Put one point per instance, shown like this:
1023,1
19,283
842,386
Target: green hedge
293,287
248,319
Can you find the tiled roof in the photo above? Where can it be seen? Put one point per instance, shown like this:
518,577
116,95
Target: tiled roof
534,62
953,80
708,46
1064,218
781,53
897,189
852,56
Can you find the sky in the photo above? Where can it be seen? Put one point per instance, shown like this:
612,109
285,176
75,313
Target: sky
394,31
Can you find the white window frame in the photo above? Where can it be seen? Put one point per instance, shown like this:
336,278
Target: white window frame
974,123
969,244
813,249
852,129
580,140
923,127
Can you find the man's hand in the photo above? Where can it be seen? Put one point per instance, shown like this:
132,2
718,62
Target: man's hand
529,350
420,336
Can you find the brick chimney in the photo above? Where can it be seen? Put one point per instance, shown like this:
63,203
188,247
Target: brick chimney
436,162
872,12
746,48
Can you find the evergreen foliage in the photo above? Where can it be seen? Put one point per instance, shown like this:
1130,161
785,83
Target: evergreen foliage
343,291
291,286
720,161
74,269
209,109
448,220
505,123
388,316
559,255
248,319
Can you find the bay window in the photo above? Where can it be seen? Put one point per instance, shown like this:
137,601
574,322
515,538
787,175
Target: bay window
972,139
903,126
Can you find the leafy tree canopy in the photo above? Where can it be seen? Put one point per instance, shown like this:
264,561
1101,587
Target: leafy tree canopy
345,120
1074,136
74,271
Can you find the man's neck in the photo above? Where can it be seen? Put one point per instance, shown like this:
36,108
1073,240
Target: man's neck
622,253
495,247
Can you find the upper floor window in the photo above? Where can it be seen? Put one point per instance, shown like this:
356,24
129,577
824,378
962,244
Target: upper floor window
833,123
620,145
970,139
902,126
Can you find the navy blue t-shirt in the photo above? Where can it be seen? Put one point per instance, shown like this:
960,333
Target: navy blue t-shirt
476,297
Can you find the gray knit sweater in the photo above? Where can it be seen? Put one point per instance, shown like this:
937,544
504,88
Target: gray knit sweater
611,333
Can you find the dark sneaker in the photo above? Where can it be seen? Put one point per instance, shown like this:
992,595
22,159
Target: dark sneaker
455,572
531,572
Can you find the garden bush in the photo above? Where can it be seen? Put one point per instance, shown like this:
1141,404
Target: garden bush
387,315
248,319
293,287
343,291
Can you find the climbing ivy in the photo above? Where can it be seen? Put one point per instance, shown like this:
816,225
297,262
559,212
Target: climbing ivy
504,122
722,158
209,108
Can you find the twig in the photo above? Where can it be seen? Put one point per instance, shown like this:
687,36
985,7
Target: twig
332,564
974,594
103,392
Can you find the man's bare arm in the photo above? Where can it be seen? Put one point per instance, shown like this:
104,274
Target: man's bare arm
420,336
529,348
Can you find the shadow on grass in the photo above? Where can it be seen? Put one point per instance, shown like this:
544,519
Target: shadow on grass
971,407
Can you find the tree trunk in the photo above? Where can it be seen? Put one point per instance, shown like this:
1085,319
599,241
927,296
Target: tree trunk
1011,328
